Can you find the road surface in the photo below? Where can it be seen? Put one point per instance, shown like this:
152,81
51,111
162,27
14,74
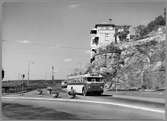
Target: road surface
89,107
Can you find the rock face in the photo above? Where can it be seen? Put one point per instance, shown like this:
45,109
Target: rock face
134,64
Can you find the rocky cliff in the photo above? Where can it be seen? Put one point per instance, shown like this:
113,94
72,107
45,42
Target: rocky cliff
136,63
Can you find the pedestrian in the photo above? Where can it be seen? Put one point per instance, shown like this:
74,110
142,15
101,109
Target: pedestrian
40,92
50,90
72,92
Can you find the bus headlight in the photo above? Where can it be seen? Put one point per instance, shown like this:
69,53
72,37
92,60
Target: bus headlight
101,87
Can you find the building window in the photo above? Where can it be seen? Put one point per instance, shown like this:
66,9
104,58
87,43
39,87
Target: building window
96,40
107,34
93,32
92,59
94,50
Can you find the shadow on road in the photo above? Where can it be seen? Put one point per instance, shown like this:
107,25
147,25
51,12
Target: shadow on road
16,111
96,95
104,95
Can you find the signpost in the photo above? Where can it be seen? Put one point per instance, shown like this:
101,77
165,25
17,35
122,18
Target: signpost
23,76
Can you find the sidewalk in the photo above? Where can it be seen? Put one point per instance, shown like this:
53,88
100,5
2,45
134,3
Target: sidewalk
137,98
152,97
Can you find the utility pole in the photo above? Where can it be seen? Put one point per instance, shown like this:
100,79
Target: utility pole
3,74
105,56
52,72
23,76
28,74
165,14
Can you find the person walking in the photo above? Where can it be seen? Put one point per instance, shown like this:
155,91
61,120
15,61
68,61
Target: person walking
72,92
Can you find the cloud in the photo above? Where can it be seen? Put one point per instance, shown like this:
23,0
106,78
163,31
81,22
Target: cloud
67,60
55,46
24,41
74,5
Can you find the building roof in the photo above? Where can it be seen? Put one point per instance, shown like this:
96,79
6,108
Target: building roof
104,25
85,75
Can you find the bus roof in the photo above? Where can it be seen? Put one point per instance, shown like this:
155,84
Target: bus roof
85,75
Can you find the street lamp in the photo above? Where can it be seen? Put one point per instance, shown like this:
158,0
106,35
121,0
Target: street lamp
29,63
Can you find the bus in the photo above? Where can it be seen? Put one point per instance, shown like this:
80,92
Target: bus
84,84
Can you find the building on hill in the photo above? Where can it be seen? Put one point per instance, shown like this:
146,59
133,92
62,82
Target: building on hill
101,35
104,34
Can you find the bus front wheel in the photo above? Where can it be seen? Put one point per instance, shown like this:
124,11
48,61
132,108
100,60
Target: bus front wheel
84,92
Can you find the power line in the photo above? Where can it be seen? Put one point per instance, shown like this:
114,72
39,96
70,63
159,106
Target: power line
165,14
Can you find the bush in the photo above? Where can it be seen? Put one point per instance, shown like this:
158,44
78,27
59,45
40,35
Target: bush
142,31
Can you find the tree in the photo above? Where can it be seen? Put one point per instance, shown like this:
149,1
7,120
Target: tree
160,20
123,34
142,30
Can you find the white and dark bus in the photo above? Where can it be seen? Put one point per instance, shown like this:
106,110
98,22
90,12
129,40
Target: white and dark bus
84,84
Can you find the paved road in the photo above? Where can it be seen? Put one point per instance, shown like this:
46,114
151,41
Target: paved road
93,107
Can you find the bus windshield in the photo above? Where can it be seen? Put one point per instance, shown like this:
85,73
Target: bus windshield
93,79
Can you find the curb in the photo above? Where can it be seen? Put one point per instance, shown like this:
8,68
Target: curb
88,101
142,99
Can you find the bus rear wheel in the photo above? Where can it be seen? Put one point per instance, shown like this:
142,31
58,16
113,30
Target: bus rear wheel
84,92
99,93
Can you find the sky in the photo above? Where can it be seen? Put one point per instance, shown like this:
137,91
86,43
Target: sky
46,34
